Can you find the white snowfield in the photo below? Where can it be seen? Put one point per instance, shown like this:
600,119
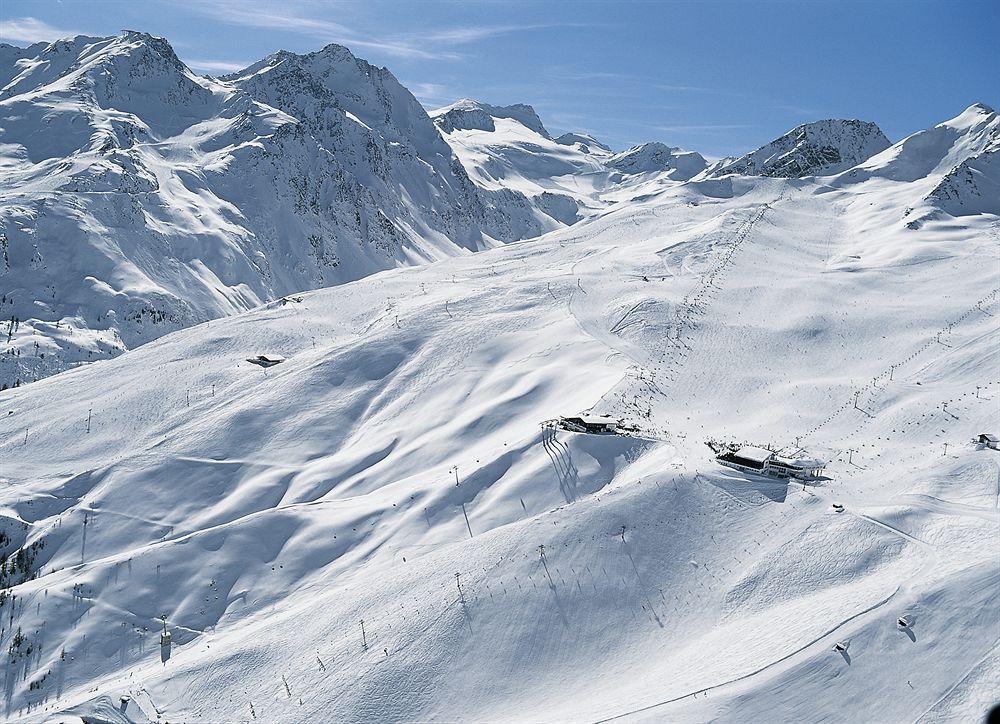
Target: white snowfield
378,528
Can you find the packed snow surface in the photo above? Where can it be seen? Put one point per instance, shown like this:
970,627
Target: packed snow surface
379,528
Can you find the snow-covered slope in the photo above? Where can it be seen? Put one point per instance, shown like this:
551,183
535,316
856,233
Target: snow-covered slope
569,177
378,529
13,58
137,197
470,115
584,139
952,168
507,147
655,158
813,149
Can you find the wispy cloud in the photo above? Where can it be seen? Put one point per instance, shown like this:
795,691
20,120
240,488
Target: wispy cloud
395,48
430,95
572,74
689,88
30,30
475,33
292,18
215,67
645,82
799,110
707,128
303,17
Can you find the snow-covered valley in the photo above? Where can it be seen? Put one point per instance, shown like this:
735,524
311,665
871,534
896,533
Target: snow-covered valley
380,528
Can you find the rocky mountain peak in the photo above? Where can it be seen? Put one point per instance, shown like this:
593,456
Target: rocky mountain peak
570,138
468,114
812,149
658,157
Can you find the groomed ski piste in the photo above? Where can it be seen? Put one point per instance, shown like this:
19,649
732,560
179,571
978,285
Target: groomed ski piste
379,529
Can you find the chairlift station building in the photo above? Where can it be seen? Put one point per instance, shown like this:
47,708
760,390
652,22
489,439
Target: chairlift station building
989,440
594,424
266,360
762,461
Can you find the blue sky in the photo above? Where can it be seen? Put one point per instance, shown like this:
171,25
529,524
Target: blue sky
717,77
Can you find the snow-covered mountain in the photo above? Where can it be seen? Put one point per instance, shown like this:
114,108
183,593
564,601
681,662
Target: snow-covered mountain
952,168
584,139
350,504
378,529
813,149
656,158
508,147
138,198
569,177
470,115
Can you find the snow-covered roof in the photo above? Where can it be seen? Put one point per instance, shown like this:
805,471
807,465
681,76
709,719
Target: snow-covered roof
270,358
801,463
756,454
596,419
990,436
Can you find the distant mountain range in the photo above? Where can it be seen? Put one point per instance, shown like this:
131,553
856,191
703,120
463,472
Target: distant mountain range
139,198
569,177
